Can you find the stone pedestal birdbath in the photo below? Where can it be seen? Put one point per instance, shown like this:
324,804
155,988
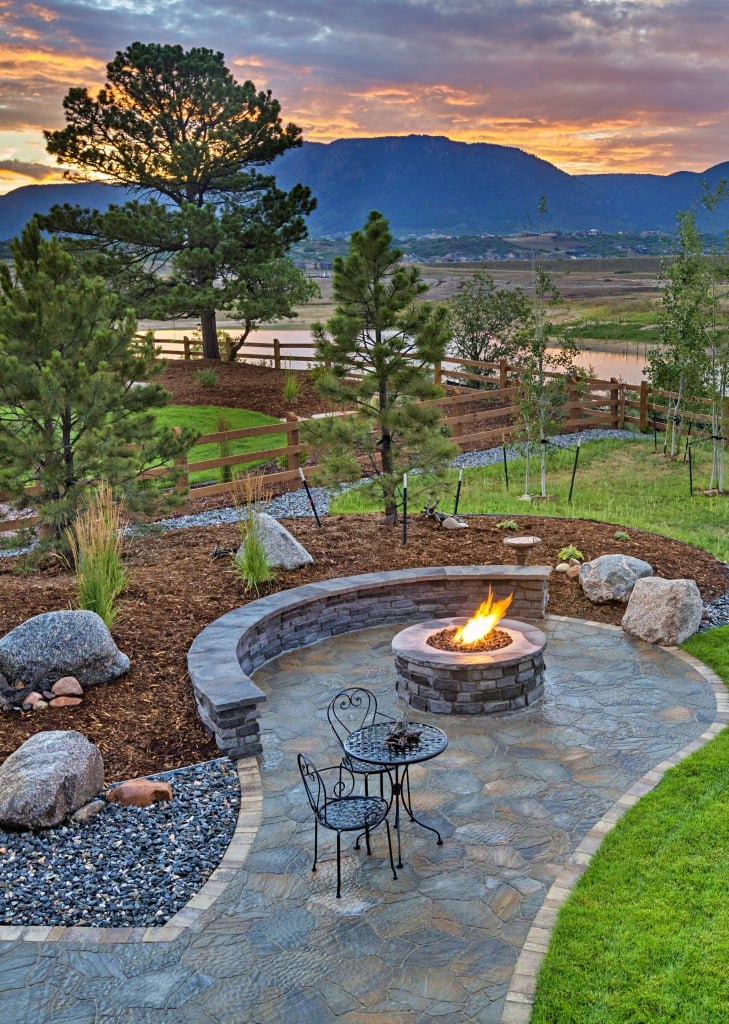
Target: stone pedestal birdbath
522,547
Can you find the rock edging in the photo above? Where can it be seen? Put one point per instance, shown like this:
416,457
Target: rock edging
226,652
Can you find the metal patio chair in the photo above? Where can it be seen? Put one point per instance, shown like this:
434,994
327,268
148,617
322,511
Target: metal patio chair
330,792
348,711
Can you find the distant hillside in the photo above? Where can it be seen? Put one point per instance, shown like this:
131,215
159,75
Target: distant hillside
427,184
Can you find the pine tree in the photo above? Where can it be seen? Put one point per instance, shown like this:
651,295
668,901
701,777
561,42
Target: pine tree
381,347
75,403
174,127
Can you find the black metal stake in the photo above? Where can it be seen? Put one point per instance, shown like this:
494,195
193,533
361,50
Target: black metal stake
688,435
404,508
458,492
308,495
691,473
574,470
506,468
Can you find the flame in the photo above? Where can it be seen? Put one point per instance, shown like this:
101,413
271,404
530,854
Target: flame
480,625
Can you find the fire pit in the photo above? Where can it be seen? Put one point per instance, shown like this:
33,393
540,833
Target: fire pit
470,666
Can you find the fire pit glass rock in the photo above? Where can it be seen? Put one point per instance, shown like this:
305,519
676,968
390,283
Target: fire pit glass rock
474,682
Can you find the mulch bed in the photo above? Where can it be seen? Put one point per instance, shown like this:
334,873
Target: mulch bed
240,386
147,721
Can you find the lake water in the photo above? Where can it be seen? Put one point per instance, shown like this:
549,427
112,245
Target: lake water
625,362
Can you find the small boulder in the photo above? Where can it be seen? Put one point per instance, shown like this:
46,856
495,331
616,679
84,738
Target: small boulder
573,572
140,793
65,643
561,566
449,523
64,702
32,698
282,549
612,577
48,778
663,611
89,810
40,705
69,686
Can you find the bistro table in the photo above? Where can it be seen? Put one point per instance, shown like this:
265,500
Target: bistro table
368,744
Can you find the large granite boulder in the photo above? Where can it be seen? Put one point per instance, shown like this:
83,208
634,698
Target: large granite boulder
48,778
282,549
55,644
612,577
663,611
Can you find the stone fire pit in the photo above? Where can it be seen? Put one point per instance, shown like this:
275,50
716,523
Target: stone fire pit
465,683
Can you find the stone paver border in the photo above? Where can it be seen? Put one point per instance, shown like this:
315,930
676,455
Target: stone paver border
246,827
520,997
224,654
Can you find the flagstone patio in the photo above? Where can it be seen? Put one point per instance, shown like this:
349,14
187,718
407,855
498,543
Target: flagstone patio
513,796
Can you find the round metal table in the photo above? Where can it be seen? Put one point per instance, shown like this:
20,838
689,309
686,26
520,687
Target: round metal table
368,744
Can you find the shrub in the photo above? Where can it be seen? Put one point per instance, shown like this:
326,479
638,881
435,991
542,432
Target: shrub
507,524
621,535
570,552
291,387
206,378
95,541
251,561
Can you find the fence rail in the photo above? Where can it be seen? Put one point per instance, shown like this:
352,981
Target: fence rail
474,416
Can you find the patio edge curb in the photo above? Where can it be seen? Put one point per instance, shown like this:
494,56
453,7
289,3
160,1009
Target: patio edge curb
522,987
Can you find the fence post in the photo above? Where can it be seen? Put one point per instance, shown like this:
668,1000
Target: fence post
503,373
276,354
182,485
186,347
437,373
292,437
572,402
614,403
643,413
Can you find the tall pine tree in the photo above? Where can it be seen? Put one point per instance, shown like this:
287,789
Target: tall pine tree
76,405
174,127
390,343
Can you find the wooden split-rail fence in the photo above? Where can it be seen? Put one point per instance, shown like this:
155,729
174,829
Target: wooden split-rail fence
475,418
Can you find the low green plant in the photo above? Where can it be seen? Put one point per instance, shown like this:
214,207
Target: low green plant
251,561
570,551
95,543
207,378
621,535
292,386
507,524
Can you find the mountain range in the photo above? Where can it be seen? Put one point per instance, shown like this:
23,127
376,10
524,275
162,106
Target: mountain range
429,184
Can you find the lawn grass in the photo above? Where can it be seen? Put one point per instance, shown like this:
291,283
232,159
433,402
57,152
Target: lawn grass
204,419
644,938
620,482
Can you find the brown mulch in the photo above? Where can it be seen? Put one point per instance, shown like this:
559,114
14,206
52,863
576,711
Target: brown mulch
147,721
240,386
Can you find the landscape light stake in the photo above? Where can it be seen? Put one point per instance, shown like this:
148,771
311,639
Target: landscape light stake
458,492
308,494
506,466
574,470
404,508
691,473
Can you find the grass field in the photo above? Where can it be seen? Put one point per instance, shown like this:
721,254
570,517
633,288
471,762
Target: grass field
204,419
616,482
644,938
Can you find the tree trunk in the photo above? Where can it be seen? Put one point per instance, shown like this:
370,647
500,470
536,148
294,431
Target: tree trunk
209,329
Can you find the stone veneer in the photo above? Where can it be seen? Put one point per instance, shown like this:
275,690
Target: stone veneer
226,652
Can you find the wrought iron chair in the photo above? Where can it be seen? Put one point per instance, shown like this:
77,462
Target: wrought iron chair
337,808
349,710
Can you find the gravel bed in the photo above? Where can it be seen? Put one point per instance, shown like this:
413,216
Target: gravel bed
127,866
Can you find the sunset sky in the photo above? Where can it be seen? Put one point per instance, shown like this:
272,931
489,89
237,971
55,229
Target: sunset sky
591,85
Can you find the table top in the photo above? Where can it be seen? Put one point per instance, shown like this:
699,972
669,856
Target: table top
368,744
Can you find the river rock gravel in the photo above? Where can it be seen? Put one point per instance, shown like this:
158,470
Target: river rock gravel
125,866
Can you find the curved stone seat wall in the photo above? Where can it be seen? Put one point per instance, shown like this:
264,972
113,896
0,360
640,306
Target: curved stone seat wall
226,652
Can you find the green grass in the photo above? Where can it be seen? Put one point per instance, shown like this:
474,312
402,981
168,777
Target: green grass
644,938
617,482
614,330
204,419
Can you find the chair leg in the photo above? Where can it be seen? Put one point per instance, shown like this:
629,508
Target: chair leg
389,847
367,785
367,841
316,843
339,865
